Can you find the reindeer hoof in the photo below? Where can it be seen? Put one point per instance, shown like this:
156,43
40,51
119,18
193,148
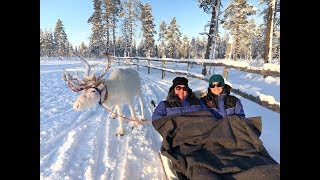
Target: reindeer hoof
120,133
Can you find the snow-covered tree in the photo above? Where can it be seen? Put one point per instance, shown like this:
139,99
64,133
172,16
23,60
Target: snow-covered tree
111,15
185,47
258,43
147,28
269,30
198,47
173,38
131,16
235,19
126,45
162,39
60,40
120,44
211,7
271,27
83,50
96,44
248,33
220,47
41,43
46,43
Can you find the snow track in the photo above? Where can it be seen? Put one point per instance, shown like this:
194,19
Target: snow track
84,145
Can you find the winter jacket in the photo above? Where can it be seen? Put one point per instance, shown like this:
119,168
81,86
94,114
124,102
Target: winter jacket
225,104
173,105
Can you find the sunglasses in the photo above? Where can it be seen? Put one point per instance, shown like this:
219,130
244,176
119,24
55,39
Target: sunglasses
178,88
214,85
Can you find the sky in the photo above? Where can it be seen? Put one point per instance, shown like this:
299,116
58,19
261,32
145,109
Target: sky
74,15
83,145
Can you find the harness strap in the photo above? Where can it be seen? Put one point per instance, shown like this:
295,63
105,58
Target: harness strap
105,95
138,121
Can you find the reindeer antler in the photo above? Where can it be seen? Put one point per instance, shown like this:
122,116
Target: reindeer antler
71,81
88,67
77,84
107,66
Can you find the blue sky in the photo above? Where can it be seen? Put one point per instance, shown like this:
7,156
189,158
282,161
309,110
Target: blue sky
74,15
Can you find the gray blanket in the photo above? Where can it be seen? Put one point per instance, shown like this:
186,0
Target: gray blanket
202,147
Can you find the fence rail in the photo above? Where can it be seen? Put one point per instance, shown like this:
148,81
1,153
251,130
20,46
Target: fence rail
255,70
250,69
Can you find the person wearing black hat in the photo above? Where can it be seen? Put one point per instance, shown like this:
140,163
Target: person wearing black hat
180,99
218,98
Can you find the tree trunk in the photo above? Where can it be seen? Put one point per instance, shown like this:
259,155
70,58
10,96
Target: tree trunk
268,49
212,31
114,36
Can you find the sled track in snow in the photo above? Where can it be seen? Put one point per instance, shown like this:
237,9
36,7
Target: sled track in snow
69,144
86,146
53,144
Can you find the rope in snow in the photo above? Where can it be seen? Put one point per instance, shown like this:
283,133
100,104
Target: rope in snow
138,121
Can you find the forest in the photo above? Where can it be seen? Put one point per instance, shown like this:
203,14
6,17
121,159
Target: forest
115,25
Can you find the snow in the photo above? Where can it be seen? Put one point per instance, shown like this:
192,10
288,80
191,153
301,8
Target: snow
83,145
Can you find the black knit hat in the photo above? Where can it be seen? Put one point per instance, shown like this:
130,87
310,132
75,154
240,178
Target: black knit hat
180,81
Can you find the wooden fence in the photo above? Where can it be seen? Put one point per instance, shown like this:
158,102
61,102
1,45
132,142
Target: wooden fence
250,69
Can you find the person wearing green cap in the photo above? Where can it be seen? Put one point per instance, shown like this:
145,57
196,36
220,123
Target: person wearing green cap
180,99
218,98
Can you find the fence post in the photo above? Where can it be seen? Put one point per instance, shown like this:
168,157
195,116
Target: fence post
163,66
204,70
188,67
137,64
225,73
148,65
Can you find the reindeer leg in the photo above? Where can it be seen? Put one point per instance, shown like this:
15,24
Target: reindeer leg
141,106
120,131
133,114
113,115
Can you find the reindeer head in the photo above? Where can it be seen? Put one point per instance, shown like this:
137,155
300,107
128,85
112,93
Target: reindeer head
89,97
92,87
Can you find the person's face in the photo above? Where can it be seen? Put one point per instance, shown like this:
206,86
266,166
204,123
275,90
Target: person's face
181,91
216,88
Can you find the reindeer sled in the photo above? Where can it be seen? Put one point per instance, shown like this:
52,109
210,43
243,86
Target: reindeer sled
197,146
118,89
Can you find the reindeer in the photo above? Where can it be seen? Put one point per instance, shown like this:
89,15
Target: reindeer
120,88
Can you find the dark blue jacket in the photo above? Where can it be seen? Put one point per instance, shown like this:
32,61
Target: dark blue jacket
225,104
173,105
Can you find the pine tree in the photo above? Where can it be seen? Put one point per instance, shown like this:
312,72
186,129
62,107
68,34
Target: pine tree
235,18
173,38
60,40
147,28
162,38
111,16
271,29
131,16
96,44
185,47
